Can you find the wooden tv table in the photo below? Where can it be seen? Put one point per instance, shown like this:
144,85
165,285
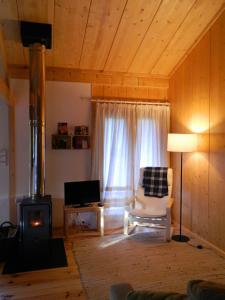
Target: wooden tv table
71,210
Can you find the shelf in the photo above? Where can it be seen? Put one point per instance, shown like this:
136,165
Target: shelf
68,142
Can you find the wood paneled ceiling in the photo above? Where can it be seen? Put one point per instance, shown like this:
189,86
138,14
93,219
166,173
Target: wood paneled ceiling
148,37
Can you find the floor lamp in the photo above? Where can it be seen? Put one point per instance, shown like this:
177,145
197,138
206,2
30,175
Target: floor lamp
181,143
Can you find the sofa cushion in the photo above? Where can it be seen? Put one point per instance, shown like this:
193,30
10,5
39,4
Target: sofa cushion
147,295
205,290
119,291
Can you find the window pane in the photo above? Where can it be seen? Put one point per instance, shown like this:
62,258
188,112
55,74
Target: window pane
115,144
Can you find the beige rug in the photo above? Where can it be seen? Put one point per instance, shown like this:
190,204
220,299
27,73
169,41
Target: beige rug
144,261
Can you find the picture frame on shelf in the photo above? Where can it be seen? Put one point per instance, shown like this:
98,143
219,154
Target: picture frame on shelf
61,141
62,128
81,130
81,142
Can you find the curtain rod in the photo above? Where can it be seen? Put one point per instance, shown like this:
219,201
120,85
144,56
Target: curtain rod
126,102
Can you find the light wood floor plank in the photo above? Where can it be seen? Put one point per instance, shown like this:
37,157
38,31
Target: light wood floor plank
49,284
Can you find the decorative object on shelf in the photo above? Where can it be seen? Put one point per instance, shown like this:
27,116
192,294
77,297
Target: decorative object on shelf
81,130
181,143
62,128
81,142
61,141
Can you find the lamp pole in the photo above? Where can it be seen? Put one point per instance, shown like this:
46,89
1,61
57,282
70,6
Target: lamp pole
180,237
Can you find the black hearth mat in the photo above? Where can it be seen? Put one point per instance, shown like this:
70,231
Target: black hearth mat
36,256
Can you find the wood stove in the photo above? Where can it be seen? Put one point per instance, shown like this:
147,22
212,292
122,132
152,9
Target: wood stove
35,210
35,219
37,249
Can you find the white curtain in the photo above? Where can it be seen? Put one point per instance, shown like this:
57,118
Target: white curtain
127,137
151,139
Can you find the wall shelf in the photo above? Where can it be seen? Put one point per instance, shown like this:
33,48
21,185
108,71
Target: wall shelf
68,142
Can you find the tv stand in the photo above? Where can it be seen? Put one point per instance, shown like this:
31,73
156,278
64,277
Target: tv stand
78,206
70,210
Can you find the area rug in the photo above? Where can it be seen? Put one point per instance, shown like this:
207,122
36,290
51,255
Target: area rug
145,261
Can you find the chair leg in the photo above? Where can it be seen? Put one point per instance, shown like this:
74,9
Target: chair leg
168,227
126,222
168,234
131,229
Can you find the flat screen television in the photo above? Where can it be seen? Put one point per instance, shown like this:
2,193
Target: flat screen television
82,193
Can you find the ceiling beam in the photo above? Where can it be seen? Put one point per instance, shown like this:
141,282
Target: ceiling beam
4,78
109,78
3,60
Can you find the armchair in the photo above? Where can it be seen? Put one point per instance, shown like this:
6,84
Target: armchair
150,211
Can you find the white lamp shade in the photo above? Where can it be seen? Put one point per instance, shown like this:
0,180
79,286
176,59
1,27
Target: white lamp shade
179,142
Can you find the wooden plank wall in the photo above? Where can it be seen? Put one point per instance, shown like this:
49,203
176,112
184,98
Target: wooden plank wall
197,92
4,81
131,92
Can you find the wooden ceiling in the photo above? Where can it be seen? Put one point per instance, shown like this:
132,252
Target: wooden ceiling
148,37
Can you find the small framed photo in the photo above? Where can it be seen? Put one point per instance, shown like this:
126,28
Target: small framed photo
61,141
62,128
81,142
84,130
81,130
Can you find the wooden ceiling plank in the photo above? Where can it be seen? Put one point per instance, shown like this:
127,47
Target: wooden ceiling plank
70,22
11,31
166,22
135,22
105,15
201,15
41,11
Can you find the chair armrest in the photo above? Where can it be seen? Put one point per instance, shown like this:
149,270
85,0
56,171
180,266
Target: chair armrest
138,200
170,203
131,203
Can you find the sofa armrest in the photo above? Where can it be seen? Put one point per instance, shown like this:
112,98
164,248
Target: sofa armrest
205,290
119,291
148,295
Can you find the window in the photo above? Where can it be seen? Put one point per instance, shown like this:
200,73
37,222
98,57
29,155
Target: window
127,137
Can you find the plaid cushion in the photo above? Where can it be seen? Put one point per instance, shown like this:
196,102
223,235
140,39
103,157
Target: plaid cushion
155,181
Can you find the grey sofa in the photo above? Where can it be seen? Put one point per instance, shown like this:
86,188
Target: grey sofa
196,290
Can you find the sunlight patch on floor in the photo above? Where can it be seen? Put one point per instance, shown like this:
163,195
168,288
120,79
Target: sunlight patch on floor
113,241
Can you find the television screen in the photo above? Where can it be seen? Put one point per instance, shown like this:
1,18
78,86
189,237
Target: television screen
81,193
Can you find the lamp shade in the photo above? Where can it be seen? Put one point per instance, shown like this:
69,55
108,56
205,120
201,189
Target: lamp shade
182,142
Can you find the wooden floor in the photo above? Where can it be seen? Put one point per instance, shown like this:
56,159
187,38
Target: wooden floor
57,284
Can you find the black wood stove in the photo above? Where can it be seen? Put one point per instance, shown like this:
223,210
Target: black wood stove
35,219
37,249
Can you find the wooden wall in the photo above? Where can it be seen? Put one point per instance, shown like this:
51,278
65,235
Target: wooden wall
197,93
131,92
4,82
